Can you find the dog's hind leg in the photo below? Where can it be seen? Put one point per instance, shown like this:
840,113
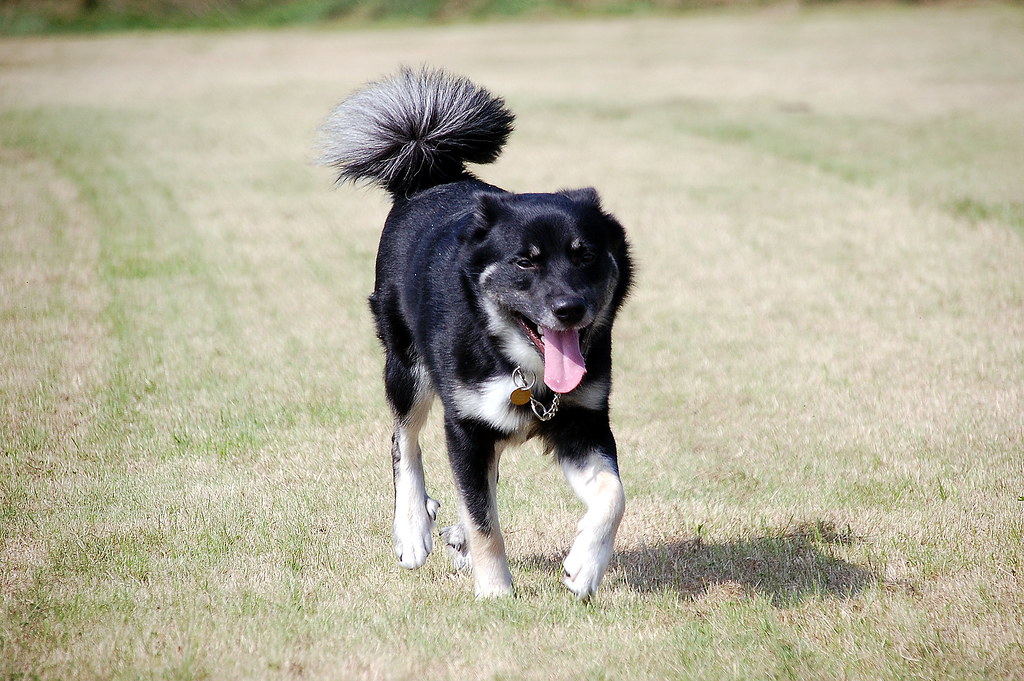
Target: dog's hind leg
454,537
409,391
474,453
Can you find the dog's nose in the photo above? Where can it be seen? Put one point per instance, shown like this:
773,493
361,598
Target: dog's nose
569,309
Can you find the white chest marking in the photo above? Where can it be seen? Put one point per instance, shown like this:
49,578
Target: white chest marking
489,402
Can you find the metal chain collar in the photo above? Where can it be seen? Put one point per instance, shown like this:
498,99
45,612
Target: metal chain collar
524,392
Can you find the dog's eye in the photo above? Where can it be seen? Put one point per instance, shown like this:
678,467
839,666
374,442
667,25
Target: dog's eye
584,256
524,263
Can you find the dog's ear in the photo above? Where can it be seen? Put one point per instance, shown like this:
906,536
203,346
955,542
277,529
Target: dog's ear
489,207
586,196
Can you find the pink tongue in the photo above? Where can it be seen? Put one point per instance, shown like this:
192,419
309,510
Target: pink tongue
563,362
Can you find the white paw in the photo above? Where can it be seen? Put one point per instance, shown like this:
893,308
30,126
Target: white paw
413,533
585,566
432,506
457,545
495,588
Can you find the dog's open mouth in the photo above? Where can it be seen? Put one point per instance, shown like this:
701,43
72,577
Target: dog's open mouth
563,360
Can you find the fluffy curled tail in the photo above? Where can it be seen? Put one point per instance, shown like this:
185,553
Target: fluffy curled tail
413,131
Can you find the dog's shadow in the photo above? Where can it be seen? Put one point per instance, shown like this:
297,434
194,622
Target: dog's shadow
786,567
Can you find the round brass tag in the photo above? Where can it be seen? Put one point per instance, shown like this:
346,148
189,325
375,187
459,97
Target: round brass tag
520,396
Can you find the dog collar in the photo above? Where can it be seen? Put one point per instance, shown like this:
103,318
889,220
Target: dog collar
523,394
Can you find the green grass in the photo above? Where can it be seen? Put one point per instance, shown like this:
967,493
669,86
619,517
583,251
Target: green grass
820,376
26,17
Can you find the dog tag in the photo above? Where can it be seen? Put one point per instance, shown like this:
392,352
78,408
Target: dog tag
520,396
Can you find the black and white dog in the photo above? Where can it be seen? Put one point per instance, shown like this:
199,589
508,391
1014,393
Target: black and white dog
499,303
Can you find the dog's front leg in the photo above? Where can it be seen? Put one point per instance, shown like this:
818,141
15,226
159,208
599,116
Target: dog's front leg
474,453
593,474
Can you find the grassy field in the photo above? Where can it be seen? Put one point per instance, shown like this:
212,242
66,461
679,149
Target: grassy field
23,17
820,376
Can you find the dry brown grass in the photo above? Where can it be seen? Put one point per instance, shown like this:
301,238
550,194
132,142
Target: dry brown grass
820,392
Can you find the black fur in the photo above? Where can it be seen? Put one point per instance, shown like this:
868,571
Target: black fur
461,261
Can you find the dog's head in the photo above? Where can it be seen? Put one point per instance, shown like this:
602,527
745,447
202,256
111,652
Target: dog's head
551,270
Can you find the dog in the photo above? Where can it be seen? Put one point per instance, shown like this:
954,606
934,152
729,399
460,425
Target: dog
500,304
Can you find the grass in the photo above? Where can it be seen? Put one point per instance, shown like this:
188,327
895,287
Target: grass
820,377
27,17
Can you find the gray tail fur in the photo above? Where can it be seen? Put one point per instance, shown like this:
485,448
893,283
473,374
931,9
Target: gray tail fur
413,131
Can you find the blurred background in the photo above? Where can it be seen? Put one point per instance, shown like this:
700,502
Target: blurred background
37,16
